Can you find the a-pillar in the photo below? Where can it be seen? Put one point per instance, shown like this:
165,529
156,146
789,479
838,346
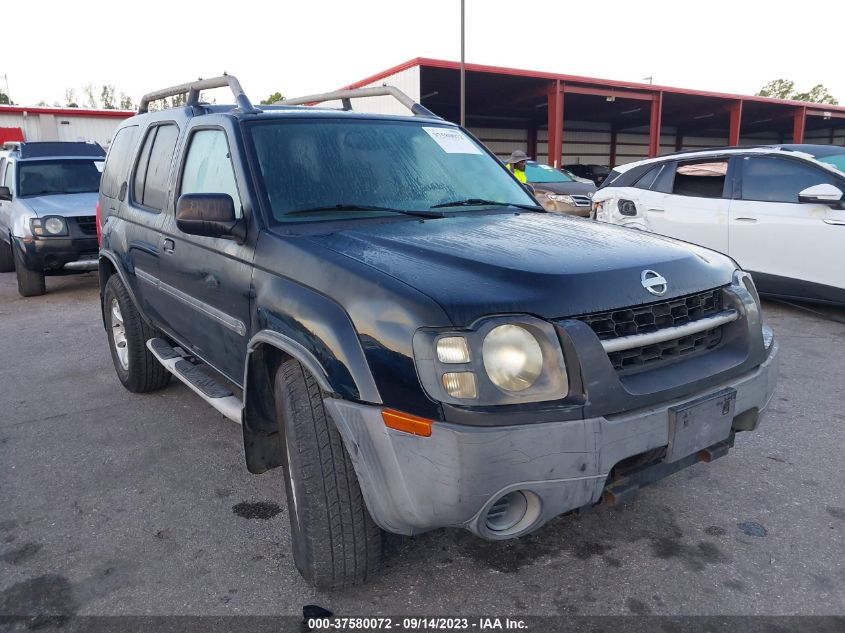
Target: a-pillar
555,98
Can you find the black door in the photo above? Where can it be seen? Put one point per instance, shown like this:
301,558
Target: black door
205,282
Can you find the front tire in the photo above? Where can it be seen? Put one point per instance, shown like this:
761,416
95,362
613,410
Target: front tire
7,261
137,369
335,542
30,282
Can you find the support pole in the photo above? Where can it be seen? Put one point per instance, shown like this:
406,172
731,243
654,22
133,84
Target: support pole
736,123
655,124
463,73
612,146
799,124
679,140
555,107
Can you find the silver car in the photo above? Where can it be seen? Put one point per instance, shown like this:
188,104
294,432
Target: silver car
48,199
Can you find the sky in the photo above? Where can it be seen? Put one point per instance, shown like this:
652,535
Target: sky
302,47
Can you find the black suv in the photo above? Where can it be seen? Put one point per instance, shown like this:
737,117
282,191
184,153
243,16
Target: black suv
399,324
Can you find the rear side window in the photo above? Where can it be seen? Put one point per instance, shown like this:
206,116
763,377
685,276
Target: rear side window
647,179
701,179
779,179
117,162
153,168
208,167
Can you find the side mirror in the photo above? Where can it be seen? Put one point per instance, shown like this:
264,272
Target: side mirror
5,193
822,194
208,214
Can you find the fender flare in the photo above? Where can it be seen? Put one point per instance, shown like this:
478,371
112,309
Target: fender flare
103,279
263,442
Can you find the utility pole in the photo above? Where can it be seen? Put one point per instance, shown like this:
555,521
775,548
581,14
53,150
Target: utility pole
6,79
463,84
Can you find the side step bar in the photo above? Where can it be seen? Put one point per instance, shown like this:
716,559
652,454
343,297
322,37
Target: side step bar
215,394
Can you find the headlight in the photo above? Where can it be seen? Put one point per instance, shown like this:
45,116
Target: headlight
512,357
497,360
558,197
52,225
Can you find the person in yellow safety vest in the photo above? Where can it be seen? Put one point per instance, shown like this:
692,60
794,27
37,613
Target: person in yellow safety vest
516,165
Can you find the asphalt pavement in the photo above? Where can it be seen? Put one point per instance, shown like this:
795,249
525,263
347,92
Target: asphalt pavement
113,503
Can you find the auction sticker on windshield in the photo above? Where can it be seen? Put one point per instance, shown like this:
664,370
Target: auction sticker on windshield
452,141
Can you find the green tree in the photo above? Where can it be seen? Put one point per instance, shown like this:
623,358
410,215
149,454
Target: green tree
778,89
88,91
817,94
276,96
179,100
785,89
107,97
126,102
70,98
4,99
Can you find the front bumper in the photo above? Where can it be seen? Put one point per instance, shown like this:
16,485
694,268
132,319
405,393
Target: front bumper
452,478
561,207
58,254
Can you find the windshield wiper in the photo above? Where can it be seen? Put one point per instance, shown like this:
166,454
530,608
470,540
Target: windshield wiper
365,207
474,202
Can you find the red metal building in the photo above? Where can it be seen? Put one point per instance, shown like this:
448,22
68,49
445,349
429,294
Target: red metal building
567,118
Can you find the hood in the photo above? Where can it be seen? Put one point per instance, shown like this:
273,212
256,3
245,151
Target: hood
68,205
543,264
583,188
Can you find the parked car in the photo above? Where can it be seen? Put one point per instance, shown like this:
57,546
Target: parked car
557,192
595,173
409,334
776,210
48,195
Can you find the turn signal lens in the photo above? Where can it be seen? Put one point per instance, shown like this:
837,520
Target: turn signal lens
452,349
406,422
460,385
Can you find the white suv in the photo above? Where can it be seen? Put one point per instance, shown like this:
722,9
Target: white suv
777,210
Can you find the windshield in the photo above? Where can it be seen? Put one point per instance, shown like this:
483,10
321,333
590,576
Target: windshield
837,160
44,177
536,172
333,166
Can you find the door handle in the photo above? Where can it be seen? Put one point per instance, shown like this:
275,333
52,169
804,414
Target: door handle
835,222
168,245
751,220
654,210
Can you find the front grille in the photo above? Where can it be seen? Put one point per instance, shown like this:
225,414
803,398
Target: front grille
582,201
652,318
87,224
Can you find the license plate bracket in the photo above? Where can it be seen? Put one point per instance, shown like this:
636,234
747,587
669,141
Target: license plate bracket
700,423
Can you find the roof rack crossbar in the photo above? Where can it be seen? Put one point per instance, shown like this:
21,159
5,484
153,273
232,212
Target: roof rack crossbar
193,88
345,95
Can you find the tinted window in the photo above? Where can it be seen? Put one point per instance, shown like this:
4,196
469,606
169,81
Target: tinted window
700,179
117,162
306,164
208,167
647,179
46,177
779,179
153,169
665,180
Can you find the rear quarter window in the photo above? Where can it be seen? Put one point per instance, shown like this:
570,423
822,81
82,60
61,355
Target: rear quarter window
118,161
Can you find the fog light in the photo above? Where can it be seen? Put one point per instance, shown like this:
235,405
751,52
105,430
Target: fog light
460,385
452,349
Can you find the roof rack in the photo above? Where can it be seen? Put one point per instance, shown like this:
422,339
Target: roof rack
193,91
345,95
